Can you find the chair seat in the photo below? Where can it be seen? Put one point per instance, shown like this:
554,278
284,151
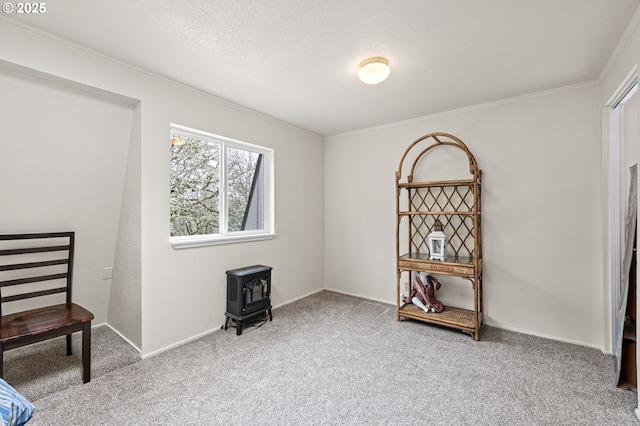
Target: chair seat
36,321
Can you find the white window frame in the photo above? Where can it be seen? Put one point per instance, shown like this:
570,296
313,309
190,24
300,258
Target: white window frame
224,236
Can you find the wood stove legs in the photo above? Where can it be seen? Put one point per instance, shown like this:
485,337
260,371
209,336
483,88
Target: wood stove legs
241,321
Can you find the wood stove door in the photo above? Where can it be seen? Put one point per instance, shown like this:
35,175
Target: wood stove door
257,295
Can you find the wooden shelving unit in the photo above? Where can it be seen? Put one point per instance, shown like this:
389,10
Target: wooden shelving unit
456,204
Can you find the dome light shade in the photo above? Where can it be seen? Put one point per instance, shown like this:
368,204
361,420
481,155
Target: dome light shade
374,70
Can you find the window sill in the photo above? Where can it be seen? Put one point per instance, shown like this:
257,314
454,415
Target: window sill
209,240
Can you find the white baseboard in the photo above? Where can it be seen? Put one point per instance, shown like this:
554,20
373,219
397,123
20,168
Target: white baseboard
360,296
180,343
514,329
386,302
297,298
546,336
121,336
206,333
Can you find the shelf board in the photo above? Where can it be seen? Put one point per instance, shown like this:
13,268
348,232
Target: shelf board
462,319
424,257
436,183
433,213
460,266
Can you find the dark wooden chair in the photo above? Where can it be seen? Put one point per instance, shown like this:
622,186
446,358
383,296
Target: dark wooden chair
38,266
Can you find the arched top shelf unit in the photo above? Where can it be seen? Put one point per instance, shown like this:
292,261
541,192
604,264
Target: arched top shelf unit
433,141
450,206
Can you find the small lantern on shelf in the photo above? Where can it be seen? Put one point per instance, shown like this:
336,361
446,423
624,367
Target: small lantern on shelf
437,242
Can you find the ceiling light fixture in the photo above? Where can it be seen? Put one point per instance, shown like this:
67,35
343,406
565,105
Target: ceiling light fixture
374,70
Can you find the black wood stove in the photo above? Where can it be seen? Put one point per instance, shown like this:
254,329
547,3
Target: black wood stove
248,295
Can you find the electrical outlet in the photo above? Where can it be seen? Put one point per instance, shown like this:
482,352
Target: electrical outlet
107,273
406,286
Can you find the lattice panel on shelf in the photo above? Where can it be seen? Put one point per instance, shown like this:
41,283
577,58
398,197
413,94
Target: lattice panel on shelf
454,199
457,227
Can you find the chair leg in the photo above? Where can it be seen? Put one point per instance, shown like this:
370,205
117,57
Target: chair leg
86,352
69,352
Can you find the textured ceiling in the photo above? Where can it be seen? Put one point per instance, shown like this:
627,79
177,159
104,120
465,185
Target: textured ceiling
297,60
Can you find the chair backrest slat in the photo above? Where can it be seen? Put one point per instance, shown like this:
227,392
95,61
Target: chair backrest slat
17,266
35,279
23,296
32,236
33,264
10,252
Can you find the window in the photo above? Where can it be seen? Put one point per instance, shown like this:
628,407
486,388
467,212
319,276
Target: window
221,189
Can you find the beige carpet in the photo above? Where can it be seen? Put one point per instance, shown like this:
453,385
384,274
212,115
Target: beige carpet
44,368
331,359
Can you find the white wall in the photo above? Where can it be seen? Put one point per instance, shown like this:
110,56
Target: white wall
186,289
540,157
125,298
183,291
64,152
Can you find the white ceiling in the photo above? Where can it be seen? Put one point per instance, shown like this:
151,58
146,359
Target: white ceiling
297,60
